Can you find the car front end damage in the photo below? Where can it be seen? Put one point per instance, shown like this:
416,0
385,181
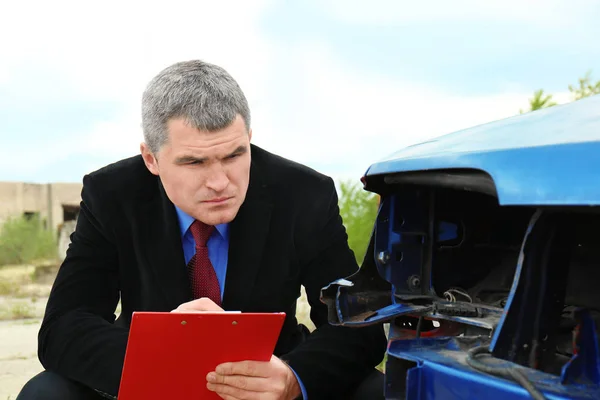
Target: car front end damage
485,261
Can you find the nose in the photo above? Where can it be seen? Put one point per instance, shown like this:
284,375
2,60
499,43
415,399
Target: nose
217,179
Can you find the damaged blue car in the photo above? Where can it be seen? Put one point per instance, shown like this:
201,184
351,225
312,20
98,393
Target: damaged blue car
485,261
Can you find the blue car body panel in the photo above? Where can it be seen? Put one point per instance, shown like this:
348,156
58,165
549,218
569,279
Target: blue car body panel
547,157
441,372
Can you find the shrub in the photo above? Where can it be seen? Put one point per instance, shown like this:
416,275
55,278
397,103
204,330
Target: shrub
23,240
359,210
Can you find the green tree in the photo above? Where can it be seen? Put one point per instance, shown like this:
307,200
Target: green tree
539,101
358,209
586,88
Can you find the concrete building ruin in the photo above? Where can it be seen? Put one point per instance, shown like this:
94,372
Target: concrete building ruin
54,203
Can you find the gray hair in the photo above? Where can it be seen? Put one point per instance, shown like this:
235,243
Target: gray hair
203,94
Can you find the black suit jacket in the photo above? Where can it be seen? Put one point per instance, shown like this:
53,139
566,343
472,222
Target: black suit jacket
127,245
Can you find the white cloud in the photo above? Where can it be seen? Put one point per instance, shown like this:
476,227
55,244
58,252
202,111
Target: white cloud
306,104
111,49
343,120
4,76
550,13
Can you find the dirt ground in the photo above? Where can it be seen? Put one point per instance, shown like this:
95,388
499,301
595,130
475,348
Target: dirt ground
24,292
18,358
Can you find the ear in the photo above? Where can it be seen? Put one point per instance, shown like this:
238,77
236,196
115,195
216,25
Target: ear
149,159
250,134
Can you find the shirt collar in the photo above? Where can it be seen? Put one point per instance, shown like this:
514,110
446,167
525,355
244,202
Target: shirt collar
185,221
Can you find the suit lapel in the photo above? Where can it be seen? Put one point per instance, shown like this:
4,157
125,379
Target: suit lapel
162,240
248,234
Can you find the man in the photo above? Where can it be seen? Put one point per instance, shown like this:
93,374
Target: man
202,220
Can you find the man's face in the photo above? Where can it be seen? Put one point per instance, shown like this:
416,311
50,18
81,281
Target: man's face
205,174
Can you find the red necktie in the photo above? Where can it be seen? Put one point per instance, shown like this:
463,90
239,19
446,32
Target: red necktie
202,274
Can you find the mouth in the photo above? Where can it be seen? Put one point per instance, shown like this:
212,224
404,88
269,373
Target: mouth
218,200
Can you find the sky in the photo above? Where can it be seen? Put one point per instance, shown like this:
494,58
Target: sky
334,84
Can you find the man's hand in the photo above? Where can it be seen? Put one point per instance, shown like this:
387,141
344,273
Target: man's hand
249,380
198,305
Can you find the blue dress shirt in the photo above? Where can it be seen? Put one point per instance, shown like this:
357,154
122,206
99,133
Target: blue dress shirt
218,247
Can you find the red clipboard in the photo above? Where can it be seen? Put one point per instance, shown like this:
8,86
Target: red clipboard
169,354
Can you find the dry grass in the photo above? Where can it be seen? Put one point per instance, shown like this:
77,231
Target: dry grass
27,280
13,277
17,310
22,289
22,311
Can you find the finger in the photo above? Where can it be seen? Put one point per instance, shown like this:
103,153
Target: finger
233,392
247,368
201,304
240,381
227,397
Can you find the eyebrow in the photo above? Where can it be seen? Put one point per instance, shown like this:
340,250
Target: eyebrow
188,159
